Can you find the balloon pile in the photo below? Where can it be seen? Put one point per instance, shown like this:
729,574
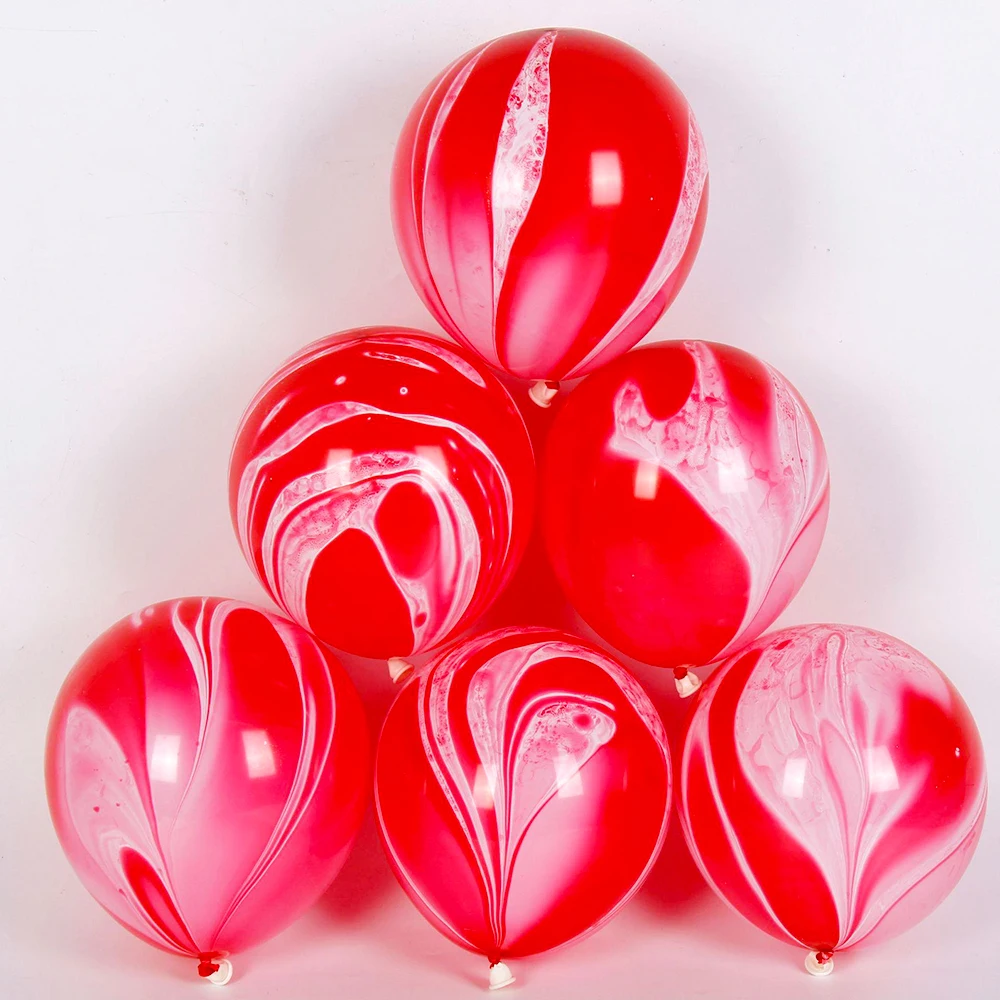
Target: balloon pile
208,762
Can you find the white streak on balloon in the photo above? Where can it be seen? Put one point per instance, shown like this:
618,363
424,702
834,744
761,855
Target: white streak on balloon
675,242
94,756
311,512
520,155
761,492
523,761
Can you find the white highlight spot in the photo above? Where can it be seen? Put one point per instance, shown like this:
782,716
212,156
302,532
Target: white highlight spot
605,177
340,380
882,776
338,456
164,760
258,753
647,480
482,791
434,455
568,779
734,476
794,781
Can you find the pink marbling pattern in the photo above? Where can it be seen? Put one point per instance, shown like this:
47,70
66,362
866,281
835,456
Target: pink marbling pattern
833,785
685,495
522,789
382,489
549,195
206,769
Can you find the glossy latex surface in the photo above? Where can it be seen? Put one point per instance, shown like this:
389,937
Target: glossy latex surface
685,495
522,788
207,768
833,785
549,193
382,487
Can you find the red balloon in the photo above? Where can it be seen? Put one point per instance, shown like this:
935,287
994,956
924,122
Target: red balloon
522,788
207,767
382,488
549,193
833,786
685,495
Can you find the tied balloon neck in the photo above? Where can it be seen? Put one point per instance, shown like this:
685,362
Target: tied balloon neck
686,681
819,963
399,669
500,975
543,392
215,970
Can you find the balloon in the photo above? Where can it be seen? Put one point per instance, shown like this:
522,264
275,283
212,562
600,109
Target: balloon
522,788
549,192
207,767
833,786
685,495
382,488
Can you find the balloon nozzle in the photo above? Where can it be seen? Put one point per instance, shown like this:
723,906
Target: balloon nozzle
686,681
218,971
543,392
819,963
500,975
398,668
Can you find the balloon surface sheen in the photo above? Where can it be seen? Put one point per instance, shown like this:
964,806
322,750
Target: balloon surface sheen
522,789
833,785
549,193
685,496
207,767
382,488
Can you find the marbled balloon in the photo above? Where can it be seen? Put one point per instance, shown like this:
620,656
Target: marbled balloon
207,766
833,785
685,495
549,196
382,488
522,788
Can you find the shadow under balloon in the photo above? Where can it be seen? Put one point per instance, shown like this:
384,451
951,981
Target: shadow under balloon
363,882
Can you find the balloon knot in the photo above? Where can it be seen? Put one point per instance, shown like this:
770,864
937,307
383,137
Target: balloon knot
543,392
819,963
207,968
680,673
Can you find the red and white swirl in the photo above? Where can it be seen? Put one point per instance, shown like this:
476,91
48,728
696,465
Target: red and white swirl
544,227
762,483
346,454
198,773
833,785
524,742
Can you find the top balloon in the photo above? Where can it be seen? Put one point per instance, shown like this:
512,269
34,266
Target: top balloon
549,194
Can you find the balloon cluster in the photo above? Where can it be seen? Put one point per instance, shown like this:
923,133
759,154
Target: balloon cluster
207,761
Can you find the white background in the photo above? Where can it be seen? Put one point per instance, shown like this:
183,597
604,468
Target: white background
191,189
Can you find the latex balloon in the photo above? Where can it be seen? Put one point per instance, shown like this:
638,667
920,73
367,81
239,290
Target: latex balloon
549,192
207,766
382,487
522,788
833,786
685,497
